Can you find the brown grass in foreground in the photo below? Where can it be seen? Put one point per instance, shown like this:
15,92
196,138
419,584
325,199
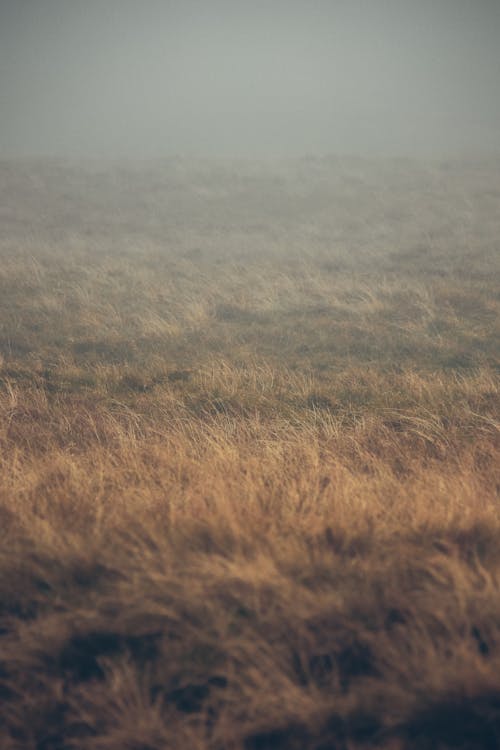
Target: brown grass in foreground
250,501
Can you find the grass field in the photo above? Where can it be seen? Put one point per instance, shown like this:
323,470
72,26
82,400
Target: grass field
249,449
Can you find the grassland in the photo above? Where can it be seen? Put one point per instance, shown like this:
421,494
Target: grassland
249,450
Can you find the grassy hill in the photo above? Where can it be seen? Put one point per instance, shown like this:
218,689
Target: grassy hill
249,449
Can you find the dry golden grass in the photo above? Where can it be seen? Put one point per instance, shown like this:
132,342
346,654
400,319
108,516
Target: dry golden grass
249,449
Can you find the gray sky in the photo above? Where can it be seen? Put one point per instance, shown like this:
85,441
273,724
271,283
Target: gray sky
147,78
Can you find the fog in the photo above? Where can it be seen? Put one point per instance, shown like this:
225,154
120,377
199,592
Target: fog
152,78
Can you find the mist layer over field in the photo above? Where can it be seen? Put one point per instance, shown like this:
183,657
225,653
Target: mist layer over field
263,79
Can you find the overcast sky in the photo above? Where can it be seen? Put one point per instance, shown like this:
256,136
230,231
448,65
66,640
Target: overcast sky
254,78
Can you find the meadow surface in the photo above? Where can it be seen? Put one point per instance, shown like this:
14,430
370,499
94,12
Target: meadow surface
249,455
